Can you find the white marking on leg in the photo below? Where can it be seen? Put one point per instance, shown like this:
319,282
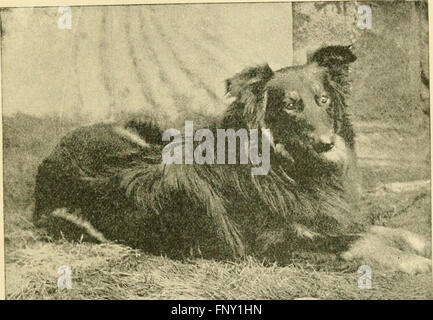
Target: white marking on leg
64,214
131,136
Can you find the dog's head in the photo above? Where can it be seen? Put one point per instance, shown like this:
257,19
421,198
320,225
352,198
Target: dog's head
303,106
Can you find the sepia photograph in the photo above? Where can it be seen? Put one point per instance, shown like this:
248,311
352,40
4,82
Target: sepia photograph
217,151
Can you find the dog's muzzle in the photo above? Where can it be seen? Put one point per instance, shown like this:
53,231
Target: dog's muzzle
321,147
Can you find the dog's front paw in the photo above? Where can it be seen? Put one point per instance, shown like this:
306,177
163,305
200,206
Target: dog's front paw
413,264
391,249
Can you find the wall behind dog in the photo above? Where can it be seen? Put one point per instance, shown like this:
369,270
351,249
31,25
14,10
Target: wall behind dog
169,59
164,59
387,83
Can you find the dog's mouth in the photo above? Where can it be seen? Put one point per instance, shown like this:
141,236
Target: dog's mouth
332,152
321,147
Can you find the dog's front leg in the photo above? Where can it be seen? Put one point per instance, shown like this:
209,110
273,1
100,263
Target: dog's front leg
391,249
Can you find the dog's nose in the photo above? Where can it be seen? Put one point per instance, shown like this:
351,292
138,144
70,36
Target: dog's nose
324,142
323,147
327,139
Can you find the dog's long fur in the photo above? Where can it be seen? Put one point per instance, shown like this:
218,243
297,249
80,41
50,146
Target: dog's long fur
113,175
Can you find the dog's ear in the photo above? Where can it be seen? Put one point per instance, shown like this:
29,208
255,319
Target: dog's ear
249,81
332,57
248,89
336,60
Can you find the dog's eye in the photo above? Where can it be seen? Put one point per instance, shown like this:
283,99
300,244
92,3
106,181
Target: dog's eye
291,105
324,99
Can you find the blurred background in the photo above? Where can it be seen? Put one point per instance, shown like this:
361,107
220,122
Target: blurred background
392,55
166,59
117,62
117,59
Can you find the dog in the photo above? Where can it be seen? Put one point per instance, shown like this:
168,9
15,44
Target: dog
110,180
